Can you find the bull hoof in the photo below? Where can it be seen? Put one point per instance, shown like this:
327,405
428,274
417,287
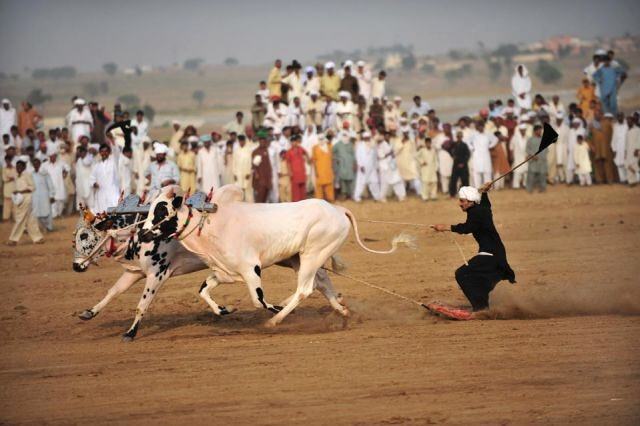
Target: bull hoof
270,324
126,338
86,315
225,311
275,309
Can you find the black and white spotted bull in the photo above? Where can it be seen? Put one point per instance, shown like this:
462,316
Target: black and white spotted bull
155,261
240,239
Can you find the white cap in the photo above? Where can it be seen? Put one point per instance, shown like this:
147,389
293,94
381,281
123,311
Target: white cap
559,114
309,69
79,101
522,126
397,98
405,129
6,101
174,122
160,148
601,52
344,94
95,146
329,65
348,63
361,63
24,158
469,193
576,121
313,93
608,115
193,138
366,135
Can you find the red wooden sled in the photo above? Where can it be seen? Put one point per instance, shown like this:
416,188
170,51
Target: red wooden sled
448,312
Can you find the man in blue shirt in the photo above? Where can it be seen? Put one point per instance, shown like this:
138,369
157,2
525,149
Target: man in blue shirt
607,79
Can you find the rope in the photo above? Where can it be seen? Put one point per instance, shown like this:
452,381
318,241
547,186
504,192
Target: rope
382,289
464,259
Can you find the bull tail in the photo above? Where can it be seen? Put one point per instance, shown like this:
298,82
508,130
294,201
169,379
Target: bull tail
402,238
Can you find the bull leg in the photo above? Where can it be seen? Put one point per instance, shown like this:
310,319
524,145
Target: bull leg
126,280
323,283
254,284
306,276
209,284
152,287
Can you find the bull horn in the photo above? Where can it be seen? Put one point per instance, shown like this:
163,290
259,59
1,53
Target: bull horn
89,217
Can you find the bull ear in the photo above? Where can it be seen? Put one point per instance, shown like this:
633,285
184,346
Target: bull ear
88,216
177,202
171,193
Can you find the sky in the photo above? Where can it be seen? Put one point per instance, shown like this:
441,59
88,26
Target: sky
88,33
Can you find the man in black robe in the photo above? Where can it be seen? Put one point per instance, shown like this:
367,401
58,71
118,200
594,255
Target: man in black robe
489,266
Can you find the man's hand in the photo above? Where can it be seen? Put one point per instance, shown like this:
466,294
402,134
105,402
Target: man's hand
441,227
96,186
486,187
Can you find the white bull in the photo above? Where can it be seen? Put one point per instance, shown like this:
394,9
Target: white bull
241,239
155,262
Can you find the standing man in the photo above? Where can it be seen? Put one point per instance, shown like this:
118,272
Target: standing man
28,118
235,126
261,167
479,277
22,211
80,121
519,153
521,87
601,131
42,196
57,171
428,162
274,81
330,82
344,159
460,154
209,166
186,162
618,142
297,158
367,163
241,167
632,159
480,145
175,143
162,172
100,121
537,166
104,180
322,158
8,117
389,175
607,78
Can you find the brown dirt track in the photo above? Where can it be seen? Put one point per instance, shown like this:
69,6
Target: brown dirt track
565,349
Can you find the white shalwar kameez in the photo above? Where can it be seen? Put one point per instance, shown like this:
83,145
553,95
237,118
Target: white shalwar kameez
480,144
618,142
521,86
367,174
209,167
83,176
105,174
55,172
389,175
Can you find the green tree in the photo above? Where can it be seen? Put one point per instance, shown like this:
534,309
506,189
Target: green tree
495,69
198,96
91,89
110,68
428,69
37,97
408,62
231,62
192,64
547,72
130,100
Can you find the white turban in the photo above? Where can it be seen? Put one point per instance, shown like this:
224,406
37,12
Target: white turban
601,52
309,70
344,94
366,135
348,63
361,63
79,101
329,65
6,101
160,148
313,93
522,126
192,139
559,114
469,193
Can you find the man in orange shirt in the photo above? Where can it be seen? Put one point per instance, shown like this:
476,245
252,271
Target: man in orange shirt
322,159
28,118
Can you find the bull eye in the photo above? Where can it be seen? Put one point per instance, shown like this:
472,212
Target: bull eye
84,236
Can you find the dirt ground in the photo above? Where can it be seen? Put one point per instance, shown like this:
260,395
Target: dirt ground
564,347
